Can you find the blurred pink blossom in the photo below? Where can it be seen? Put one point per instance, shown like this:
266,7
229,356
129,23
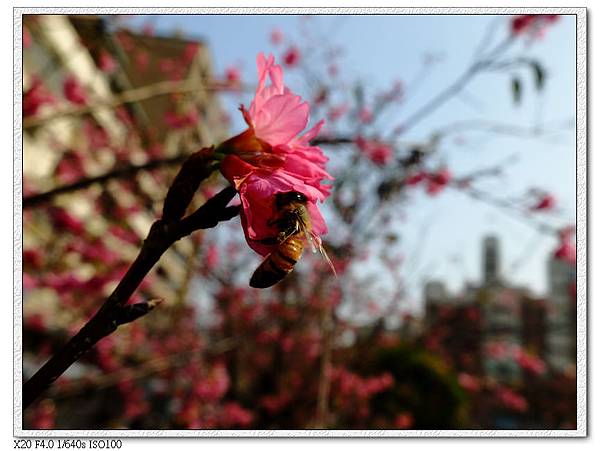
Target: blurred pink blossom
291,58
365,115
545,202
468,382
377,151
106,62
532,24
566,250
404,420
26,38
35,97
511,399
437,181
276,36
73,91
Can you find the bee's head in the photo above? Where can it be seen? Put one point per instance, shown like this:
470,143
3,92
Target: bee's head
283,199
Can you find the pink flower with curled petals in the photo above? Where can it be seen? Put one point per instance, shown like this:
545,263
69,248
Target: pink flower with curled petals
272,156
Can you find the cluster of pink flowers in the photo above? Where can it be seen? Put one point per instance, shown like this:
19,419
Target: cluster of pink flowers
272,157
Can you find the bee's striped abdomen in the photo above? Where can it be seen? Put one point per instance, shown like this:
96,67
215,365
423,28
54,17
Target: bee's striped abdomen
278,263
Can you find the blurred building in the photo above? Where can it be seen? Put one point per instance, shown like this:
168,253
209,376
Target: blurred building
99,98
510,316
488,322
562,318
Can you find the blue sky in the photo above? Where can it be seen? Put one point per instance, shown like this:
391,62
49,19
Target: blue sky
380,49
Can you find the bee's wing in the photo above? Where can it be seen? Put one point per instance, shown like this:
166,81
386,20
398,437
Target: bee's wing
315,244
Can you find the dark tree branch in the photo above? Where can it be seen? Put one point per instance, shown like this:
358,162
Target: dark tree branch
114,312
120,173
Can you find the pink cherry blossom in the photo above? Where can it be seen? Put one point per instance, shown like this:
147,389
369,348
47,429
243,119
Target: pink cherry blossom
26,38
190,51
236,415
404,420
337,112
437,181
533,24
73,91
545,202
530,362
468,382
378,152
276,36
291,57
272,157
511,400
365,115
233,76
106,62
182,120
35,97
142,59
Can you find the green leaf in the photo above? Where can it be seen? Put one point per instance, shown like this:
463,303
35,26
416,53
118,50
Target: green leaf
516,90
539,75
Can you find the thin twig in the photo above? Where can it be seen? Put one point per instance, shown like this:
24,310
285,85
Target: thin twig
130,96
119,173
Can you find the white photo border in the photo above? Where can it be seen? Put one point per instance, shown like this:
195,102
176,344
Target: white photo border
581,221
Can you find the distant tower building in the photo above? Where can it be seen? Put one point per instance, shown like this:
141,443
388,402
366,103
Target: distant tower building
435,296
561,333
491,261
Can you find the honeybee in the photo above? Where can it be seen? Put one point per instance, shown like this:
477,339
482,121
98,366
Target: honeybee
293,223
